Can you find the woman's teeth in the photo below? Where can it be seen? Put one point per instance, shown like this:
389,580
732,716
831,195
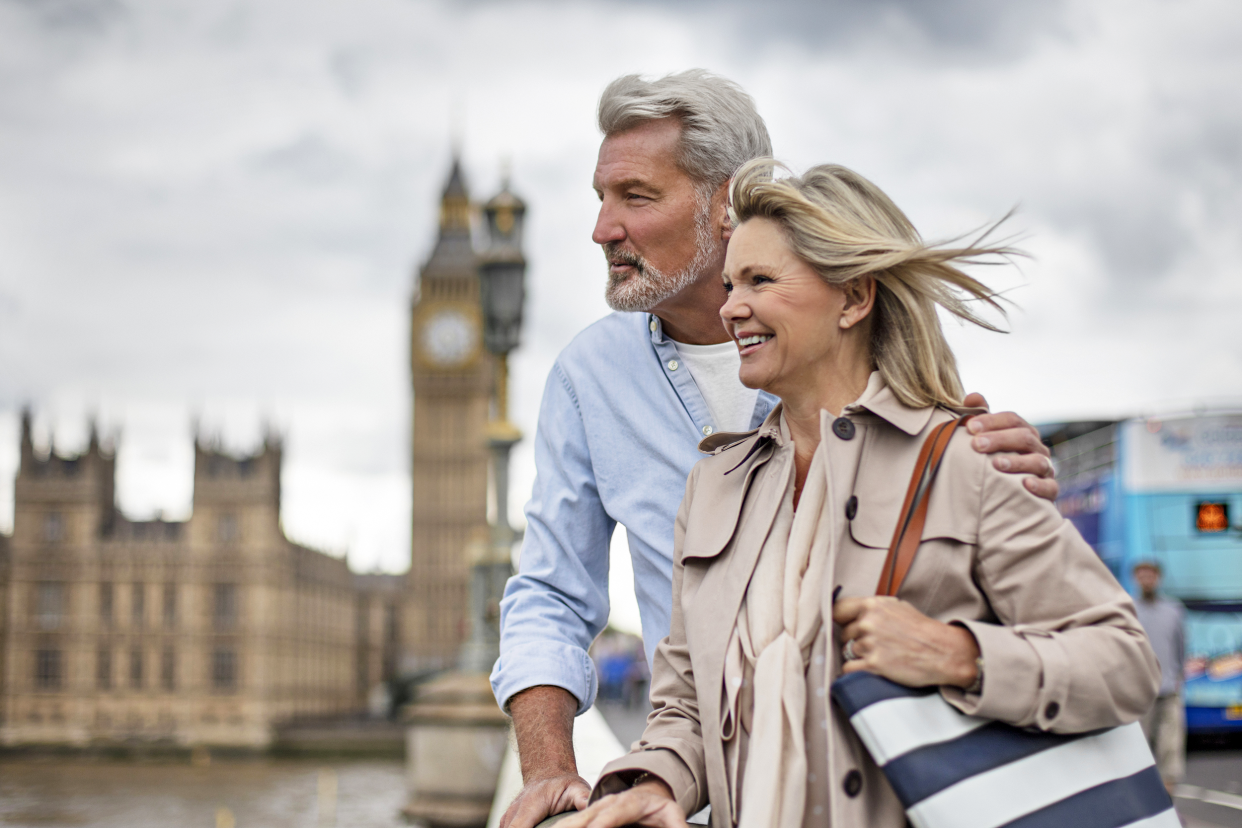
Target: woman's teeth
753,340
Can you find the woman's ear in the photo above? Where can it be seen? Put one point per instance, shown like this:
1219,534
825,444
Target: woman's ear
859,300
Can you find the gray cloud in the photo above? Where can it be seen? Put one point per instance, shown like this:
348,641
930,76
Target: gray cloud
220,209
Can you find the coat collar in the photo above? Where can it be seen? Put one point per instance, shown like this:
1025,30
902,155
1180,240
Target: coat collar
877,398
880,400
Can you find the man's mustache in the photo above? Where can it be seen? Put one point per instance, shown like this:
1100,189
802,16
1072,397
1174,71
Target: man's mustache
614,253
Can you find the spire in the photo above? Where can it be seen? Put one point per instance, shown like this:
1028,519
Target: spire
27,451
93,443
455,203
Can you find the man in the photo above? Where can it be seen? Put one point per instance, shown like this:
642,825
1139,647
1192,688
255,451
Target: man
1164,620
626,404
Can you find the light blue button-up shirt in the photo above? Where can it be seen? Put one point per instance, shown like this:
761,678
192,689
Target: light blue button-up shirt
619,428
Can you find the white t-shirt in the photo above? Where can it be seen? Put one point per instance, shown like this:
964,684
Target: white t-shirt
714,368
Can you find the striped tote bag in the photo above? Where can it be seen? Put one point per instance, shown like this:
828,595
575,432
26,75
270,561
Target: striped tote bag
951,770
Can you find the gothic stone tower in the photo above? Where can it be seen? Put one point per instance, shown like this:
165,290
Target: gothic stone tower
451,373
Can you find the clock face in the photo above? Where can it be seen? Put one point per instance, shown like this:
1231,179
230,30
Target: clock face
449,338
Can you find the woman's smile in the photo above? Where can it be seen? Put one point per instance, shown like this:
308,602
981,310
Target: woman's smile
749,343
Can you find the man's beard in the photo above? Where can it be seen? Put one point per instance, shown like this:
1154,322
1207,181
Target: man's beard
645,287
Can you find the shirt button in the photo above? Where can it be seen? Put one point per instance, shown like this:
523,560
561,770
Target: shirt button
707,430
652,325
672,365
1051,711
843,428
852,784
851,507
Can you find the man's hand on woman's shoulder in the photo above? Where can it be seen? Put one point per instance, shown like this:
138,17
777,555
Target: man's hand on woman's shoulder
1015,446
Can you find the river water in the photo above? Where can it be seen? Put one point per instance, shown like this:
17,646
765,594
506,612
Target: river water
258,793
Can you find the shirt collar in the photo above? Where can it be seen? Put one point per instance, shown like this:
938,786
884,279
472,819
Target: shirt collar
656,327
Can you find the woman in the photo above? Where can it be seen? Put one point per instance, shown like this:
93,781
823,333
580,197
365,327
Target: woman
783,531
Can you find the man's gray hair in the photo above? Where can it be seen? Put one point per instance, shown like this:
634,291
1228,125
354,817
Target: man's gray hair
721,129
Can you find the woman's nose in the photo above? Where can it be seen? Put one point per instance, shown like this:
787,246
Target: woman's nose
734,308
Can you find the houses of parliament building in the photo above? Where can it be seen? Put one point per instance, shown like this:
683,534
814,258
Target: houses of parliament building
217,629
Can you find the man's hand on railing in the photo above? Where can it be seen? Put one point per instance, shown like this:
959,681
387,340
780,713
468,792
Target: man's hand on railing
543,724
543,798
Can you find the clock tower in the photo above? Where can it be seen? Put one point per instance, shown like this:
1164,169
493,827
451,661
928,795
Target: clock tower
452,374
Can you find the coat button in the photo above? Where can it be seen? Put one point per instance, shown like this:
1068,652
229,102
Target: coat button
672,365
1051,711
852,784
843,428
851,507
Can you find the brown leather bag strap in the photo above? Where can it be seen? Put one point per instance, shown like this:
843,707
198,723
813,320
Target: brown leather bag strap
909,531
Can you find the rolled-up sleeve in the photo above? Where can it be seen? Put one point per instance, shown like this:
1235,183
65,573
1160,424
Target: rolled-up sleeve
1067,653
558,601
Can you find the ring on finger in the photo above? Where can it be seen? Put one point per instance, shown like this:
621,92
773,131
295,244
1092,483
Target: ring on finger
847,652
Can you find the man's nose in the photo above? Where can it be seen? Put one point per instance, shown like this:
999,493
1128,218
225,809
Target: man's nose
607,228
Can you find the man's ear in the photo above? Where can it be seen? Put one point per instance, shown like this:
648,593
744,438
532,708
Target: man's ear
721,223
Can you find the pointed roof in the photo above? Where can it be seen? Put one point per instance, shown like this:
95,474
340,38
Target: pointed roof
455,204
456,185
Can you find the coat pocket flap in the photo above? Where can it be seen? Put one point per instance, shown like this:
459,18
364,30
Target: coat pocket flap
881,489
875,527
721,501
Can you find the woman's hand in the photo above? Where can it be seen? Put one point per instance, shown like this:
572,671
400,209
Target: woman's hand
650,803
893,639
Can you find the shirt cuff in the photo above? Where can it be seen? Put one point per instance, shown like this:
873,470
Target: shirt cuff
553,663
662,763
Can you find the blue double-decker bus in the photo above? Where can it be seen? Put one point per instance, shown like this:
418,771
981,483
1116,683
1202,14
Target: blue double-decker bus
1169,490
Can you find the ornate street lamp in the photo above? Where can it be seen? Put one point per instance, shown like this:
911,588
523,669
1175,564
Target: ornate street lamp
502,289
456,734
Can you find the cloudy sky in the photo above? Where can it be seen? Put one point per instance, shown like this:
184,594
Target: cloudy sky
215,210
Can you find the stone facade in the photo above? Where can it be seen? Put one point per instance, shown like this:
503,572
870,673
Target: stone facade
209,631
378,629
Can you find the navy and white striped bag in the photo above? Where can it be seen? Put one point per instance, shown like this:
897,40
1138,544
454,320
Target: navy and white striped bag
951,770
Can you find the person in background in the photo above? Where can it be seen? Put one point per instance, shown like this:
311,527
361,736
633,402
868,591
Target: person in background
1164,619
626,404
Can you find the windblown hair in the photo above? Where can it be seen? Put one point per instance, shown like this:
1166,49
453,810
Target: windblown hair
721,129
845,227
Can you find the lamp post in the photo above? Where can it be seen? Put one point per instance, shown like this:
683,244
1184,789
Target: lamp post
456,736
502,290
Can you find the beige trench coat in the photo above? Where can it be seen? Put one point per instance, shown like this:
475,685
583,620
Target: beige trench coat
1062,648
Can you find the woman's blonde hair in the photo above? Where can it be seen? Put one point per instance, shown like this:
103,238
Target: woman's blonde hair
846,227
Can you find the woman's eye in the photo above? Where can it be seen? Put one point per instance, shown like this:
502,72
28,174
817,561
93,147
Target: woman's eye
728,286
759,279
